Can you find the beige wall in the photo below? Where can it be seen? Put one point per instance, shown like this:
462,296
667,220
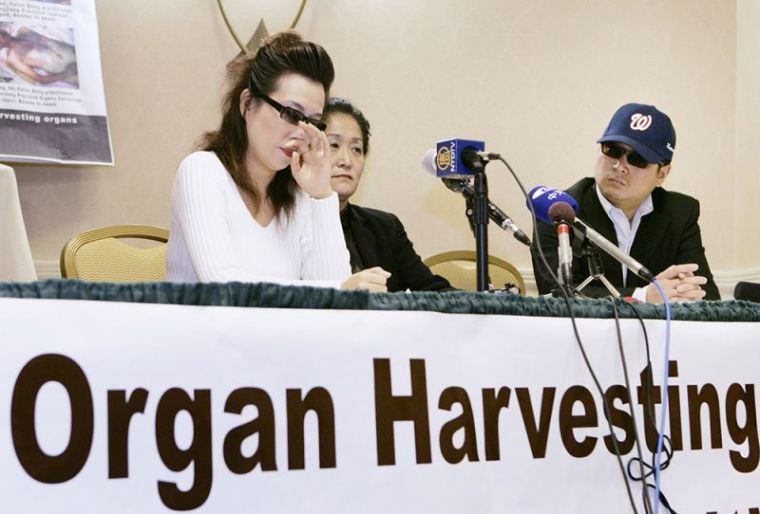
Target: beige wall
537,80
747,169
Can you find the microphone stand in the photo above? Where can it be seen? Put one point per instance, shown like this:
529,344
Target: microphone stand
595,268
480,223
469,212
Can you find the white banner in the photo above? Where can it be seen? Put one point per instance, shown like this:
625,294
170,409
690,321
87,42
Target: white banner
116,407
52,104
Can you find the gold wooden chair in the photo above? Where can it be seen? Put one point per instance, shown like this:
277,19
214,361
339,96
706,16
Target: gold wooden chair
460,269
100,255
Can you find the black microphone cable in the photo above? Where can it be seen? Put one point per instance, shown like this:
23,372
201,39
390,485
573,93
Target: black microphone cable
565,292
650,417
566,296
629,390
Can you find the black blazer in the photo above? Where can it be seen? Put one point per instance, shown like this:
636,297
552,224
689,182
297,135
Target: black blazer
382,241
668,235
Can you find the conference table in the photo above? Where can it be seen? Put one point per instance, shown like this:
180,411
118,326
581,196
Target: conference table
157,397
16,262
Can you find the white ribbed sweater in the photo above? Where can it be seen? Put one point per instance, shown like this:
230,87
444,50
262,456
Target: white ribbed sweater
214,238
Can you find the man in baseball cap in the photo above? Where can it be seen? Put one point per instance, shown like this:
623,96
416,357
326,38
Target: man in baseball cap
626,204
645,128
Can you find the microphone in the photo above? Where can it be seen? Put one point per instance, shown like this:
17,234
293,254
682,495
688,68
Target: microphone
464,187
542,198
619,255
458,158
561,214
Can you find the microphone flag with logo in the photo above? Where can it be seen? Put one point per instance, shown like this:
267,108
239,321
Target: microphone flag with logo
543,198
454,158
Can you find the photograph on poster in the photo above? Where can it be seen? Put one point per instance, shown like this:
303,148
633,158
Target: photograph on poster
41,56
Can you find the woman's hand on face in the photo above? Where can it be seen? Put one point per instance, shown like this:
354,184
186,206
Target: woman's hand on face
311,164
372,279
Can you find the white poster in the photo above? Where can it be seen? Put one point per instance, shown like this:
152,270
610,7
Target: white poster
109,407
52,104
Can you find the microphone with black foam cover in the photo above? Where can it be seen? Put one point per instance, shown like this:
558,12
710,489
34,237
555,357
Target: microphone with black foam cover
562,215
464,187
542,198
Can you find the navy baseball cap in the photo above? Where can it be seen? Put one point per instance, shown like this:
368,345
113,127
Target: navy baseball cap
644,128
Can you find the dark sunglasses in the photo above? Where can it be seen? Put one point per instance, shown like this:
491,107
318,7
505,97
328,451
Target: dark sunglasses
289,114
614,151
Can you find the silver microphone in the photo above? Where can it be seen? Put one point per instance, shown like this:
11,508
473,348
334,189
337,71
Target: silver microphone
618,254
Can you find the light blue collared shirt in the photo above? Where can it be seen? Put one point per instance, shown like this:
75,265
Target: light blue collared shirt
626,230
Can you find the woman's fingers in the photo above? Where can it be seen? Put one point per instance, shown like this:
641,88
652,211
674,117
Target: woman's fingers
314,140
310,162
295,162
372,279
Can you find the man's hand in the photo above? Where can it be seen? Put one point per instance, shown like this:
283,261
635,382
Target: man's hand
679,283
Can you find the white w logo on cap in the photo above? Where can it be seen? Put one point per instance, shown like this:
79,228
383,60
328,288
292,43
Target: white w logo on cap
640,121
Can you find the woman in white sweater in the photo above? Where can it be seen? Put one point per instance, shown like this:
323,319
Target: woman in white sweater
255,205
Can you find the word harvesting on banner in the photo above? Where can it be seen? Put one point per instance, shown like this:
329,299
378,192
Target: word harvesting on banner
574,412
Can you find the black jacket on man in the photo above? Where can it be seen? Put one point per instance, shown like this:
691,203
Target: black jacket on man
381,240
668,235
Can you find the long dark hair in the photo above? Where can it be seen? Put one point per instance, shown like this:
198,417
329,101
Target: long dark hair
285,52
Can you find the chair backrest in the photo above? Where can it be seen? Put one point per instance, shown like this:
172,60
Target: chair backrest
460,269
100,255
